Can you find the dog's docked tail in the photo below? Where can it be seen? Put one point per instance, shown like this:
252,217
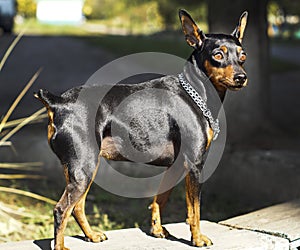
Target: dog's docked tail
50,101
47,98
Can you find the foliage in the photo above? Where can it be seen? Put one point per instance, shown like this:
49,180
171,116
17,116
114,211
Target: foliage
10,214
168,11
26,8
291,7
102,9
136,11
284,14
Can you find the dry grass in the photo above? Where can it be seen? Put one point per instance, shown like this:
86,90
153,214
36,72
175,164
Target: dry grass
11,215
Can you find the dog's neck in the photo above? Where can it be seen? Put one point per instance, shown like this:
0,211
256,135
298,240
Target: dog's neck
202,85
196,78
196,70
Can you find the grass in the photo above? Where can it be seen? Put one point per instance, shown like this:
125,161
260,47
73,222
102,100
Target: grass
33,27
86,28
35,219
10,221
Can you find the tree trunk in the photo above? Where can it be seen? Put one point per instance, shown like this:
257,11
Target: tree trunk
246,110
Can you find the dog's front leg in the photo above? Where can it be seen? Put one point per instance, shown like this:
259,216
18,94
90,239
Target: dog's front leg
159,202
193,188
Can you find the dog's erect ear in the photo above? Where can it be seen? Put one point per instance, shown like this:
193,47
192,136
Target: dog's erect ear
240,28
193,35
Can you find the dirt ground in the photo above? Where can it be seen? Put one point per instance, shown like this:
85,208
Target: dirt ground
251,175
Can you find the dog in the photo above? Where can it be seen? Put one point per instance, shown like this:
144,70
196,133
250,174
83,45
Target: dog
218,58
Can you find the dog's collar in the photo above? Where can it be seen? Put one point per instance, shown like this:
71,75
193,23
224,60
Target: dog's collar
198,100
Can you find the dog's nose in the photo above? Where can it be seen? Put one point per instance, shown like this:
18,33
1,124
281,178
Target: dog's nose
240,79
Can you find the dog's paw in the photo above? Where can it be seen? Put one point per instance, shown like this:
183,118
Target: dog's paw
159,232
61,248
202,241
96,237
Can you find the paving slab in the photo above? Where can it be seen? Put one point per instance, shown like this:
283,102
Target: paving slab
281,220
135,239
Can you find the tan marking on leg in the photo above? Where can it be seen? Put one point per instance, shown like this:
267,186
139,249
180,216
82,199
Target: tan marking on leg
80,216
193,213
59,232
188,202
157,206
64,205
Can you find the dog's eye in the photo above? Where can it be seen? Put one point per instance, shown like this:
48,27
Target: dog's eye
243,57
218,56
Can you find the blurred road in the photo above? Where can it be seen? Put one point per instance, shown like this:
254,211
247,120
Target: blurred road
66,62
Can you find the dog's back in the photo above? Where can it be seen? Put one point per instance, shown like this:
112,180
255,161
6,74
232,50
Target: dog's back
89,114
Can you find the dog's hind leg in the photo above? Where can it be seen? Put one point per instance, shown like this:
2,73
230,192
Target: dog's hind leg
62,212
73,197
80,217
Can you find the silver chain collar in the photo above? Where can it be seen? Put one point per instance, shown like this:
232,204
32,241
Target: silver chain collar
201,104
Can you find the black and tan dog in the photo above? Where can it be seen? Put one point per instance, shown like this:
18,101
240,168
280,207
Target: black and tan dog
217,57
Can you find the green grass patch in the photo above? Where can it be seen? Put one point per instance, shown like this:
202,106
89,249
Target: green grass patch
33,27
34,219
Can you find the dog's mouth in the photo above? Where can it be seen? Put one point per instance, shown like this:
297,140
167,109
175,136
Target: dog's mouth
236,87
231,85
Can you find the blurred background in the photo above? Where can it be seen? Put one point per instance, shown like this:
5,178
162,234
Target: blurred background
59,44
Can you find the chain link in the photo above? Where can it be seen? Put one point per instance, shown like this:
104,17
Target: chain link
201,104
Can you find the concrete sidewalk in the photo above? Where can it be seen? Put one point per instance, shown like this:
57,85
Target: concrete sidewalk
223,237
272,228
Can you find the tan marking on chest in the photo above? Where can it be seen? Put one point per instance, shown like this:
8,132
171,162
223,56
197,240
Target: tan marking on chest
210,134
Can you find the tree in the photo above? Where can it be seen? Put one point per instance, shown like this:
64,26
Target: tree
246,111
284,8
26,8
168,10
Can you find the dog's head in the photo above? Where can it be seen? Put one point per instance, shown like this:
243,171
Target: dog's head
220,56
